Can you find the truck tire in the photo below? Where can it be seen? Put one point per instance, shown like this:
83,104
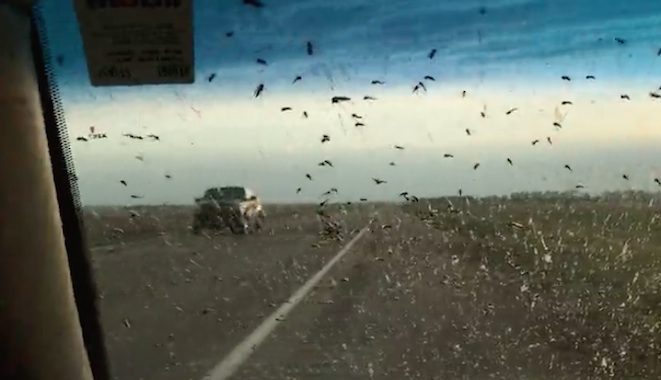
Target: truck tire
259,223
238,228
197,226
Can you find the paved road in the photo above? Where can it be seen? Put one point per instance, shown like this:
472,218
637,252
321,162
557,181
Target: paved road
173,305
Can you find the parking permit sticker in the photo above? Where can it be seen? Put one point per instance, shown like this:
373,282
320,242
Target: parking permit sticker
132,42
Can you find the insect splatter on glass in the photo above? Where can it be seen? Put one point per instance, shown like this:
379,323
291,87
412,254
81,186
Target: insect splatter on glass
434,189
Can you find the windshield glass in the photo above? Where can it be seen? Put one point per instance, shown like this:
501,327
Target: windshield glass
447,189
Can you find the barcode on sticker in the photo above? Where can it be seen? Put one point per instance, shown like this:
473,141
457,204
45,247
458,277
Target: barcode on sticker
113,71
173,70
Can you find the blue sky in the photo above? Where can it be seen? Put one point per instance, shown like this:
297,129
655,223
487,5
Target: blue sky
505,53
391,37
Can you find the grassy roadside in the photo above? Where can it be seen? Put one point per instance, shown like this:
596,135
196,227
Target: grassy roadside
587,272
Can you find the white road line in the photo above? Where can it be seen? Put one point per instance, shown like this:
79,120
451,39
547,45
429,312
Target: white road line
104,247
228,366
108,247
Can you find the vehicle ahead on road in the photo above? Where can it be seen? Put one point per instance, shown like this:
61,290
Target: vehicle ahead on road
233,207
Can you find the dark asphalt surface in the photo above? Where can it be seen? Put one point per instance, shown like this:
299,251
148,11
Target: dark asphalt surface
173,304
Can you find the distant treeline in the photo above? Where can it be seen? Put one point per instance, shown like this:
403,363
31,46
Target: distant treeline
631,195
608,195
